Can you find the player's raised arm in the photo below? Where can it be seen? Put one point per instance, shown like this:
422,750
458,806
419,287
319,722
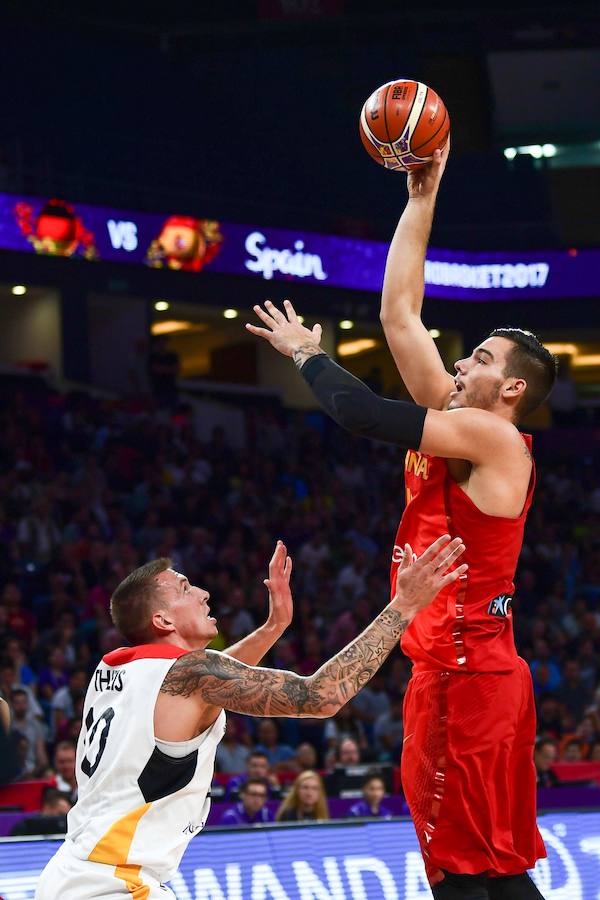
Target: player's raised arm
254,646
212,678
414,350
470,434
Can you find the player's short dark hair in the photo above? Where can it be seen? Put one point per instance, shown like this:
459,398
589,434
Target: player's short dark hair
65,745
51,795
18,690
260,781
133,601
373,776
528,359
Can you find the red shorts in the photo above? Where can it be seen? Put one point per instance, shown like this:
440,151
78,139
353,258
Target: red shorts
468,771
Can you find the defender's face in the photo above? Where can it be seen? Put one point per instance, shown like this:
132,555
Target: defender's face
479,378
187,607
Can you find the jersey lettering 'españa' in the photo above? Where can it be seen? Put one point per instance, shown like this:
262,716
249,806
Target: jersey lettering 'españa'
468,627
137,806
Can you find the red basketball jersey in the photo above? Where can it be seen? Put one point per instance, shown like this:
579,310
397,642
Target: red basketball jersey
468,627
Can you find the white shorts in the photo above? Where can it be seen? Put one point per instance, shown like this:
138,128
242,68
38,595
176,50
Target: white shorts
66,877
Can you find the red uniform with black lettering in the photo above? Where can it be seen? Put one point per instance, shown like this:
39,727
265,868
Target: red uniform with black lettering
469,713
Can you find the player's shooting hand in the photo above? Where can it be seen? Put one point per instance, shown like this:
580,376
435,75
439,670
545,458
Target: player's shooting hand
420,580
278,585
423,182
285,332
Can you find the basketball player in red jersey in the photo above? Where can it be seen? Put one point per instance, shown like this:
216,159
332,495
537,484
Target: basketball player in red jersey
469,715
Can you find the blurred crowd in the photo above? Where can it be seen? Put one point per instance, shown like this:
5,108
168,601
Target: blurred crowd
92,488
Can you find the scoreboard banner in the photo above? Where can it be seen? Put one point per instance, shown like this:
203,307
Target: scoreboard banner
374,860
56,227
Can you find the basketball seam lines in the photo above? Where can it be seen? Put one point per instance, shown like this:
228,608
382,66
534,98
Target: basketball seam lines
385,121
414,100
414,149
407,121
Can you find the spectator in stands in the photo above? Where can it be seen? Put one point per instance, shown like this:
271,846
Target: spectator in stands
242,622
38,534
306,758
52,818
251,809
232,752
389,731
257,766
313,553
595,752
305,801
313,655
278,754
351,580
545,756
348,753
549,719
371,806
343,725
28,726
64,768
572,751
573,692
9,763
24,674
53,676
373,701
65,699
20,620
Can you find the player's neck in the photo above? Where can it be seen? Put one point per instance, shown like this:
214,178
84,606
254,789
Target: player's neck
177,640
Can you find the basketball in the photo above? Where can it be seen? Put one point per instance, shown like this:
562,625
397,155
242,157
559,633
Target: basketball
402,123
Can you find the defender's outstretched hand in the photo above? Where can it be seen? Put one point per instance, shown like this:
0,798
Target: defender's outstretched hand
420,580
285,332
278,585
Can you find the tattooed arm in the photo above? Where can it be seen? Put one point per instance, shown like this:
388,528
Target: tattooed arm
215,679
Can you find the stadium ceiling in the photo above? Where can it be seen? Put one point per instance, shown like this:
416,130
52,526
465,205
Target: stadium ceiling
189,18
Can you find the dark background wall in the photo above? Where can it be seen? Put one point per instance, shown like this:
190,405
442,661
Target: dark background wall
251,111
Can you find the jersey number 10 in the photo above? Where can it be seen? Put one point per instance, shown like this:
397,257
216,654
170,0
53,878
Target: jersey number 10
95,740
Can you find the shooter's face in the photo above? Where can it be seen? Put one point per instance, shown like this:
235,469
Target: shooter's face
480,379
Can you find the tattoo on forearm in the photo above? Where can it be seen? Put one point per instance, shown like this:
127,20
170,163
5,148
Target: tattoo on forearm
223,681
305,352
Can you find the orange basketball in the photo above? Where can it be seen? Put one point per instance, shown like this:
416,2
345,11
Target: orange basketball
402,123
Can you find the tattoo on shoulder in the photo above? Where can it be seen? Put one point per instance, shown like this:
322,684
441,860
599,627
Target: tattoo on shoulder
527,452
186,675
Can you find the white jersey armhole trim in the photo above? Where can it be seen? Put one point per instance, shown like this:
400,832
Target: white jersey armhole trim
178,749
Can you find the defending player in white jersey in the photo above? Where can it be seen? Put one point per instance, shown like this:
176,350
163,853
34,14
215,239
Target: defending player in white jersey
153,717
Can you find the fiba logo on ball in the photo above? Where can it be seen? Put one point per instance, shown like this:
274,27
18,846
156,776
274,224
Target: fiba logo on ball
402,123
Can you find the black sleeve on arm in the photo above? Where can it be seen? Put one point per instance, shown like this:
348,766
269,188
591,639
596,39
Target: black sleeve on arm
355,407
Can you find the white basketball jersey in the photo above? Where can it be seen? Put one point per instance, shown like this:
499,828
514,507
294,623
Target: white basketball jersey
137,806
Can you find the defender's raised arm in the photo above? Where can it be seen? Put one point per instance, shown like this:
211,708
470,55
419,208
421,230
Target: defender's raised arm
217,680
